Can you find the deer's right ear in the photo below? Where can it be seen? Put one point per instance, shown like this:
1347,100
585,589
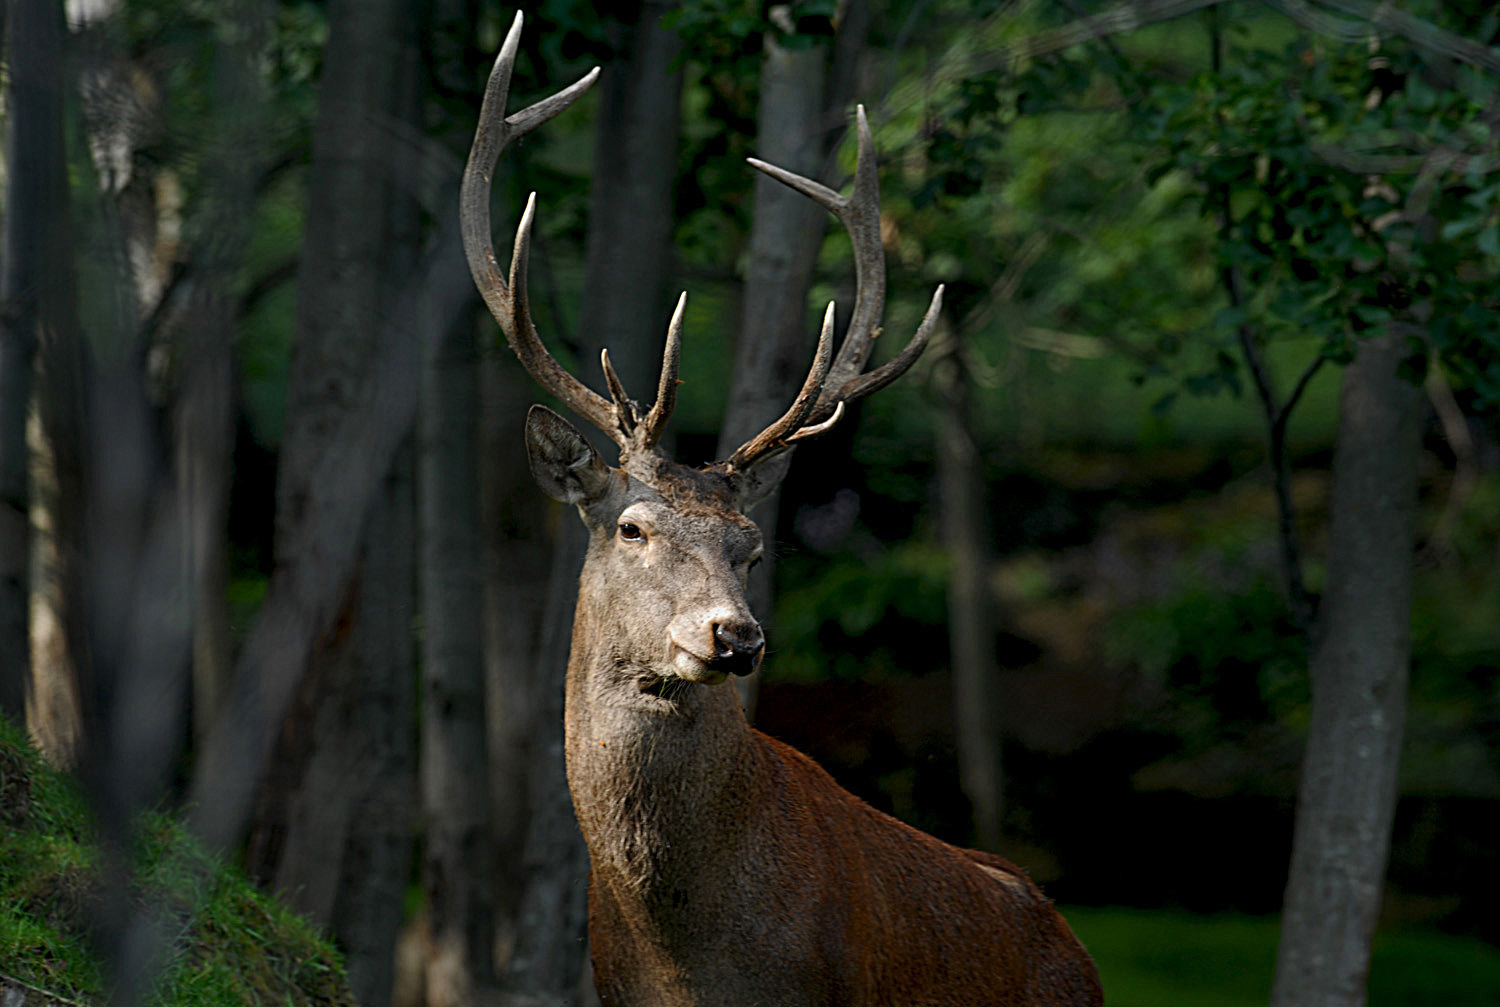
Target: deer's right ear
565,464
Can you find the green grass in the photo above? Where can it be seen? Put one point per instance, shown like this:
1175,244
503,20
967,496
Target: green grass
1148,958
226,942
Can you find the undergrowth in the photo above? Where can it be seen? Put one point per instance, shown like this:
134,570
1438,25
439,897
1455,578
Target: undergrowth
218,940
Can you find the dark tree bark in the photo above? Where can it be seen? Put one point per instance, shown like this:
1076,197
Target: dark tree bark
345,421
549,966
340,817
1360,663
625,304
456,866
63,705
203,435
203,333
517,558
625,309
335,819
971,633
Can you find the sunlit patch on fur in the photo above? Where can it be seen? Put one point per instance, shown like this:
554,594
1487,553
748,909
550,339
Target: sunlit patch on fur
1006,878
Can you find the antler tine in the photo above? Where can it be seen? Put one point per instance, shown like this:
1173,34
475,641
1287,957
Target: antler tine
514,317
778,434
861,385
861,219
859,212
666,386
508,301
624,409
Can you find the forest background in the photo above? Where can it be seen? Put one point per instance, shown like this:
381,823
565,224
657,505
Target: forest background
1169,572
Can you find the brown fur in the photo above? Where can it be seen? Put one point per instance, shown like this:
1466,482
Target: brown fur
726,867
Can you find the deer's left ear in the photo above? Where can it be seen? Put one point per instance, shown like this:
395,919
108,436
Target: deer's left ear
563,463
756,483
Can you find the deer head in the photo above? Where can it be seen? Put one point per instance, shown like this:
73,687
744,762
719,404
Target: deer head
671,539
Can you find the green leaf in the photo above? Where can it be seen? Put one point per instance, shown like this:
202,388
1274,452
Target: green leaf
1229,319
1489,241
1458,228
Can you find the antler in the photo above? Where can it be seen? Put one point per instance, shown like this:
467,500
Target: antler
827,388
507,300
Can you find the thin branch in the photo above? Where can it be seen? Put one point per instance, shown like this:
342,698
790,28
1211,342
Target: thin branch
1400,164
1465,473
283,272
1276,416
1076,9
1116,20
1301,386
49,996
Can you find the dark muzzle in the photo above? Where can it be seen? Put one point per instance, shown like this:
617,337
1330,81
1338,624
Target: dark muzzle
737,648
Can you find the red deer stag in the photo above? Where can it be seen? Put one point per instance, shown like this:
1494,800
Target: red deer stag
726,867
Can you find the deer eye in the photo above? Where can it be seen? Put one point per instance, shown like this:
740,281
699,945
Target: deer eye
630,532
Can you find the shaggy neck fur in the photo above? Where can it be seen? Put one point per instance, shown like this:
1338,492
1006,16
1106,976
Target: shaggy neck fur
657,767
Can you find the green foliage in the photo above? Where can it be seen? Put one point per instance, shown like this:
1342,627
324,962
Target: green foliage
1169,957
1229,660
1222,661
860,615
226,942
1452,745
1327,170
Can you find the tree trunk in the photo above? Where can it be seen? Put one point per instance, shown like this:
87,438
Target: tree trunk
204,409
35,287
1347,795
625,308
350,403
335,822
456,866
625,304
976,694
786,231
59,707
203,434
549,966
338,816
517,558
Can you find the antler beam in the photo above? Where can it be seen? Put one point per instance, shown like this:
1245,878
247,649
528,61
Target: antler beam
507,298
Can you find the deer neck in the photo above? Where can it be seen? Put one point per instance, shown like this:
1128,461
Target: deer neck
660,777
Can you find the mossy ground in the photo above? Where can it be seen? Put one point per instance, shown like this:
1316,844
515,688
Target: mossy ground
223,942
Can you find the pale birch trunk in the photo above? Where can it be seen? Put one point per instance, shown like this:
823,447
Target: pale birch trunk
43,295
971,632
36,247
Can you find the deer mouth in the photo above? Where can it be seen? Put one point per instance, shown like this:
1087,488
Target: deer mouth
690,667
668,688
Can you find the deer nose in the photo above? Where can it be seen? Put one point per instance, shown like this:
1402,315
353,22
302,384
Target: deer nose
738,647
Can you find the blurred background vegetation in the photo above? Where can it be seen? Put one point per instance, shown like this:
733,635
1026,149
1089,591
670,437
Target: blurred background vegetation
1162,238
